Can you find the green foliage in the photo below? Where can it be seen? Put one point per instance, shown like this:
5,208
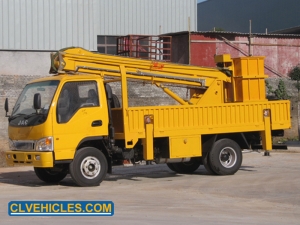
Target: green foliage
218,29
297,85
281,140
281,92
270,90
294,74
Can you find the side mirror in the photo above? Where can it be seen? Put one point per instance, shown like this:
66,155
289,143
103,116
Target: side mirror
37,101
6,107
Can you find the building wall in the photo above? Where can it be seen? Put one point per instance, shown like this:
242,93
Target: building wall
31,29
234,15
54,24
24,63
282,52
203,49
10,87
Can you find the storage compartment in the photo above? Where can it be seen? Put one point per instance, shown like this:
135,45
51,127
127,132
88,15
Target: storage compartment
249,79
185,146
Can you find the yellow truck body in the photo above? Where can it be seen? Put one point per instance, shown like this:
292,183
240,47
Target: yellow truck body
227,111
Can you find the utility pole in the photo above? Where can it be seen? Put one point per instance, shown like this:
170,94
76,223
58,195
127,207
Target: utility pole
250,39
298,108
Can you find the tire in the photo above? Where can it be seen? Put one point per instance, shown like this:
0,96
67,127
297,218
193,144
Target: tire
51,175
171,167
186,167
207,165
89,167
225,157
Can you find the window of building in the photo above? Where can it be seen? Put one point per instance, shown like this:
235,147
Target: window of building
107,44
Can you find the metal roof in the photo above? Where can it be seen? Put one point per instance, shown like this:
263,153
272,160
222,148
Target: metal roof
252,34
291,30
279,35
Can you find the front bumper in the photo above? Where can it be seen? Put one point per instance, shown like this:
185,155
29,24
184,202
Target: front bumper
36,159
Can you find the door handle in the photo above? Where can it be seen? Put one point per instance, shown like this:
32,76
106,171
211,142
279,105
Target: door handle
97,123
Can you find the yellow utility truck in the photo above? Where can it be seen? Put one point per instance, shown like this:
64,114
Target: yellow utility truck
72,122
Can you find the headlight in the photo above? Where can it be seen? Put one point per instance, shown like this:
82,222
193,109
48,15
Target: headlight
44,144
11,145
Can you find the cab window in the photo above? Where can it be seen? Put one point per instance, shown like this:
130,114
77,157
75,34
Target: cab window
76,95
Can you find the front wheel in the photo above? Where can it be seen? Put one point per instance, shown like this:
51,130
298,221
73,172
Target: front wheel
51,175
89,167
225,157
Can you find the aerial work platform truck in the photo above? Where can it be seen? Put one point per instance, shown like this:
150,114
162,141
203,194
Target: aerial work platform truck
72,122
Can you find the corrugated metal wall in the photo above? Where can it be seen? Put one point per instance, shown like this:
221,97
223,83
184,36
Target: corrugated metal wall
54,24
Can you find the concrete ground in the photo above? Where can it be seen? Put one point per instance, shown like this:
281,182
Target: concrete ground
264,191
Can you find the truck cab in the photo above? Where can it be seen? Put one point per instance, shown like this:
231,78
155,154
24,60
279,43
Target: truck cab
73,111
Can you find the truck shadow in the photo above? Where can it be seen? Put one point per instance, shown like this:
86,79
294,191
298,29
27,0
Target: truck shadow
135,173
29,179
21,178
248,168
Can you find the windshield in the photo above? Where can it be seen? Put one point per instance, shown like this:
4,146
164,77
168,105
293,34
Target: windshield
24,105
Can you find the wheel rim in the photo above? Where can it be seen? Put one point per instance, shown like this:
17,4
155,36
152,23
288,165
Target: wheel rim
90,167
228,157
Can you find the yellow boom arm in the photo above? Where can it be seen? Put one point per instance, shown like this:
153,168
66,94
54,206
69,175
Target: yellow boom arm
78,60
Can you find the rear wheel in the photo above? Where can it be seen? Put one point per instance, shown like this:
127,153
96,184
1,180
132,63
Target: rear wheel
185,167
207,165
89,167
171,167
225,157
51,175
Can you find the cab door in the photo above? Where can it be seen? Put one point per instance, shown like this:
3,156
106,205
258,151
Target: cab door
81,114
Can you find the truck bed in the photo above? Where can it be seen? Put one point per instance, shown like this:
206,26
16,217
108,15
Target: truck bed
196,120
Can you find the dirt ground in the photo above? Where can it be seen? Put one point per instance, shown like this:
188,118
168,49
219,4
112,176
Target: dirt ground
264,191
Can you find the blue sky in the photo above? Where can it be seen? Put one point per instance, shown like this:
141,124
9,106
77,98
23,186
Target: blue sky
201,1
